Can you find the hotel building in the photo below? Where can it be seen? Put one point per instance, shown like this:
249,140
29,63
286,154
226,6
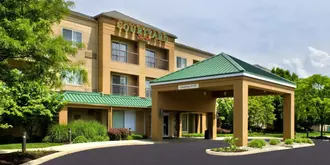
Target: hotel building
122,55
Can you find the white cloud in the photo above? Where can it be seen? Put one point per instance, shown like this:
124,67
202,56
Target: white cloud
316,61
318,58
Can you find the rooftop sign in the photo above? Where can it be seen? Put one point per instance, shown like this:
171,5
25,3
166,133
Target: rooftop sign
188,86
142,33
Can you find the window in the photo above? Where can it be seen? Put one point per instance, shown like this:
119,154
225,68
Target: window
124,119
119,52
181,62
148,88
72,78
73,36
150,58
119,85
185,122
195,61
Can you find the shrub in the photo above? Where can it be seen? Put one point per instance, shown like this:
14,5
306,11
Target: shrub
58,134
307,140
80,139
130,137
100,138
46,139
124,133
288,141
298,140
232,143
138,136
257,143
114,134
89,129
274,142
193,135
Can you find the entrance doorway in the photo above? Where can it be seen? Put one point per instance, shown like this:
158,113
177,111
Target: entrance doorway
166,125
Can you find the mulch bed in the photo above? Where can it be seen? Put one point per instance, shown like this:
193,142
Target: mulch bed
19,157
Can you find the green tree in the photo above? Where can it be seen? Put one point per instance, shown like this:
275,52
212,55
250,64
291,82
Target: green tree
278,100
28,44
261,111
225,110
29,103
313,99
285,74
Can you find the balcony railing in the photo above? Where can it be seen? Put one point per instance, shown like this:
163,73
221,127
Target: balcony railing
148,92
125,90
125,56
159,63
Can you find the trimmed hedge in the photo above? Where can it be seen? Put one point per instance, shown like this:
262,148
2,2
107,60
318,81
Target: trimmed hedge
288,141
274,142
257,143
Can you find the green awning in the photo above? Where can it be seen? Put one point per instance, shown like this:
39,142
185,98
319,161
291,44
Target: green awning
221,66
104,99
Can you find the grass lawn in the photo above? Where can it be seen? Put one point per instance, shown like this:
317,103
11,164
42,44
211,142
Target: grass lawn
28,145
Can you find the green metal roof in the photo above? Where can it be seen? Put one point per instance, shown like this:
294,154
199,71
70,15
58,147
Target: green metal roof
103,99
221,65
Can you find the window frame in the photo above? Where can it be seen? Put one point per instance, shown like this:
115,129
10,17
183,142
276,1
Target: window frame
181,59
82,35
118,56
151,62
67,81
120,84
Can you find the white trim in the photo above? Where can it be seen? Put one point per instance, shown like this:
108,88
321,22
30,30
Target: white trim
225,76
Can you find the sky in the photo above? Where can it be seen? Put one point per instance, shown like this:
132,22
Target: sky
291,34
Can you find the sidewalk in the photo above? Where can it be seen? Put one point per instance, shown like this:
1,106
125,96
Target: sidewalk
85,146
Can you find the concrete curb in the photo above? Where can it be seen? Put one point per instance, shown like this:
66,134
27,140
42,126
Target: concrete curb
278,148
62,153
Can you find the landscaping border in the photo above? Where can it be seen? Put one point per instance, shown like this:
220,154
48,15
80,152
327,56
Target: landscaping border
256,151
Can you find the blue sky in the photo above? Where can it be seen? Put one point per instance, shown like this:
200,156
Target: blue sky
292,34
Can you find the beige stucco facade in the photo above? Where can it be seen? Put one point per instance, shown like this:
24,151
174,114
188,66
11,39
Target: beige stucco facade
98,35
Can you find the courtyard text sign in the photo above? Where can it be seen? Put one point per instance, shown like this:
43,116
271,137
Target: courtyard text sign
142,33
188,86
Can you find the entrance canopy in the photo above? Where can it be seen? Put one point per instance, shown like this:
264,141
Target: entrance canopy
196,88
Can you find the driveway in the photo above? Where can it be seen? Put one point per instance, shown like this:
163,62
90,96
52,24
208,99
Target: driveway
192,153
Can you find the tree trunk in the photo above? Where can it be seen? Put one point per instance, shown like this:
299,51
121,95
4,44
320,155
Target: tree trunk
322,125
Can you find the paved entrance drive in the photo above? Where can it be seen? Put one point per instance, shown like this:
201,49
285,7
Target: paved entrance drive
192,153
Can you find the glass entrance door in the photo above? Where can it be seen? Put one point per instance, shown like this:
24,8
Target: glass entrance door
165,125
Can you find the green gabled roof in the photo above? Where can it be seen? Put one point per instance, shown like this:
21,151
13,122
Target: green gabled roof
221,65
103,99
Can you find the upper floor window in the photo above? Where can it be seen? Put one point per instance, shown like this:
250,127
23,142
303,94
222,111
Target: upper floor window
181,62
74,36
119,85
72,78
150,58
119,52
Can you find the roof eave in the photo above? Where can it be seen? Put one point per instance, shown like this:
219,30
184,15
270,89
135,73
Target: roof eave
225,76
